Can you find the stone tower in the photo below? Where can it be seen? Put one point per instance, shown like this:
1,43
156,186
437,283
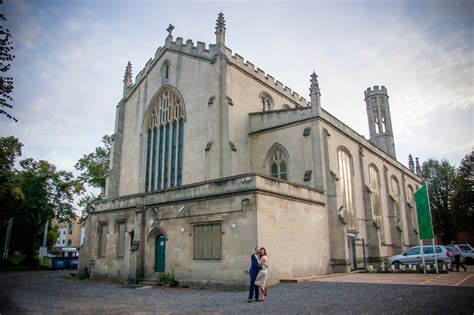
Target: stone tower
380,123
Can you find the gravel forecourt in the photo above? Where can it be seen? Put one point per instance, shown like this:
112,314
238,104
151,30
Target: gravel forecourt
51,292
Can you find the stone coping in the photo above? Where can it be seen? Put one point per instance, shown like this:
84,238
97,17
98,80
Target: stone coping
217,188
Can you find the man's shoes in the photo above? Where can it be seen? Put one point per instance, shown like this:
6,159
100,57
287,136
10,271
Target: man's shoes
249,300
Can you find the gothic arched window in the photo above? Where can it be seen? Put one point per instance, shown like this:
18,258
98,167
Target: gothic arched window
395,196
347,210
375,196
267,101
164,144
277,162
411,205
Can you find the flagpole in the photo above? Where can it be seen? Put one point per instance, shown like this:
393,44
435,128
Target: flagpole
425,223
435,256
422,256
431,220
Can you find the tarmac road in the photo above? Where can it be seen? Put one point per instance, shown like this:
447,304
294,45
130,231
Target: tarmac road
49,292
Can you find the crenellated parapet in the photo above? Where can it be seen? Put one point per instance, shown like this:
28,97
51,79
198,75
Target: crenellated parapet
376,90
200,50
267,79
210,53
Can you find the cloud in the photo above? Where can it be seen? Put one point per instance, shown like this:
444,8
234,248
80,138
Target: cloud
73,26
71,57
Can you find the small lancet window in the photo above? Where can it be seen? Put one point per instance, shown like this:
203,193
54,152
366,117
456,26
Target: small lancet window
267,101
165,70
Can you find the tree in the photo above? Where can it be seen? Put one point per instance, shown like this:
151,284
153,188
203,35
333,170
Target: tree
440,176
462,199
10,191
48,194
32,195
10,149
6,56
94,167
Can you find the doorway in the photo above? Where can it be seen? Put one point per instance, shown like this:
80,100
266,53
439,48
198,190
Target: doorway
160,253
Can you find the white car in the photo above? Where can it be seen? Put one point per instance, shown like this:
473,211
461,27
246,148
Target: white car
413,256
467,253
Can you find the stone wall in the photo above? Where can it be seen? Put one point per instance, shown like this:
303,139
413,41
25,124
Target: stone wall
252,209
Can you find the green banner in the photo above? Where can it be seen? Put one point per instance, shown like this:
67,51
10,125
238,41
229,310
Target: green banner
423,213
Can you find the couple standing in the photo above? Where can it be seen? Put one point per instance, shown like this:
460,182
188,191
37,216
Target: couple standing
258,274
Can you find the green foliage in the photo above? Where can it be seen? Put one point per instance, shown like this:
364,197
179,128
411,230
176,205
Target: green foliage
462,199
49,193
83,274
94,167
32,195
167,278
6,56
10,191
440,176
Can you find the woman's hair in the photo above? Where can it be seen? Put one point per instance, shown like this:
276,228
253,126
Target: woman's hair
264,250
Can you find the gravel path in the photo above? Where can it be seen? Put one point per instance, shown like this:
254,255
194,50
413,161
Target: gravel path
48,292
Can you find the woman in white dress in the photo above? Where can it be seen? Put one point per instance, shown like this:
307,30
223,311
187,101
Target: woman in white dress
262,275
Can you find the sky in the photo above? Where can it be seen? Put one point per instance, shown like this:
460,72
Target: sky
71,57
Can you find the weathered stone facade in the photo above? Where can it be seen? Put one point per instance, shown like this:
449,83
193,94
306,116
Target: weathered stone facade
207,143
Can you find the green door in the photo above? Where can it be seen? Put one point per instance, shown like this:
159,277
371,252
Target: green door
160,251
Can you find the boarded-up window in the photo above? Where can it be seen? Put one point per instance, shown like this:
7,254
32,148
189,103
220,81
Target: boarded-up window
102,239
121,239
207,241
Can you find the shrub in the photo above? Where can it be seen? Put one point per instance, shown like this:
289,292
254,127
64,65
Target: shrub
167,278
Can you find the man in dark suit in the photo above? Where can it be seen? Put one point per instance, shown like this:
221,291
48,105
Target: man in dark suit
253,272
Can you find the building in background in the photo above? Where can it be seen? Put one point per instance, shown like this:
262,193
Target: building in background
69,234
212,157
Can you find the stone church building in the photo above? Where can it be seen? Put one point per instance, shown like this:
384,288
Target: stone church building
211,157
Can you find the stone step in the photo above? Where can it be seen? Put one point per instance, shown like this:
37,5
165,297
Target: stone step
149,283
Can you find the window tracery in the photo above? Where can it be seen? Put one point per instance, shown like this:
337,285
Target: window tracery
165,135
346,210
395,195
277,162
411,204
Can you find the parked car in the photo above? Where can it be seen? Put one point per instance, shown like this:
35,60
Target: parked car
450,250
413,255
467,255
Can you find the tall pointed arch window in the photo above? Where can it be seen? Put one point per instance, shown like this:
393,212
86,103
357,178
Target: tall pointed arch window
346,173
411,205
267,101
395,196
375,196
277,162
164,141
